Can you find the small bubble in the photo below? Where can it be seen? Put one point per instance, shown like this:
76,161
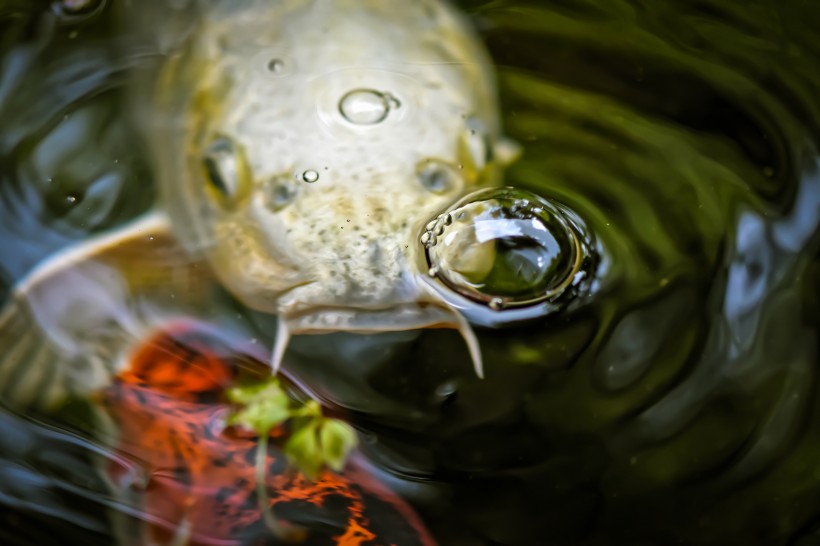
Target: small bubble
310,176
365,106
496,304
150,237
276,66
71,199
433,271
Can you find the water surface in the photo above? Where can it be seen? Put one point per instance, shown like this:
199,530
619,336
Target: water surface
675,403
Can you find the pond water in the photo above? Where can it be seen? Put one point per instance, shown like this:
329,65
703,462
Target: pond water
674,401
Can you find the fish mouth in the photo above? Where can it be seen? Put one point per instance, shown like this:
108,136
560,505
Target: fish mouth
410,316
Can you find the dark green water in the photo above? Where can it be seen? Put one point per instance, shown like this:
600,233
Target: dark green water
675,404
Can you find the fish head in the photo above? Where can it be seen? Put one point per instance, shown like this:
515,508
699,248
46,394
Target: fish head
319,139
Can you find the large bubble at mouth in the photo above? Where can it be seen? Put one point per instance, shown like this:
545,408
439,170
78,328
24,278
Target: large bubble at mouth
504,247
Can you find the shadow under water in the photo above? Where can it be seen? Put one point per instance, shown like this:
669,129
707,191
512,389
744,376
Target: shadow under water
675,403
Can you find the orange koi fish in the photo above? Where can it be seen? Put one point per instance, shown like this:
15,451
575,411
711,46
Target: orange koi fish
200,483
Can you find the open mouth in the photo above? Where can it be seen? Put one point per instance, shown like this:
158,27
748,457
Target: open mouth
413,316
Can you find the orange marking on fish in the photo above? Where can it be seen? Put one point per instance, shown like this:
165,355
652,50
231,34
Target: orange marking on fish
171,408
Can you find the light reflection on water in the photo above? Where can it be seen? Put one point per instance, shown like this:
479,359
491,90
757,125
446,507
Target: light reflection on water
678,404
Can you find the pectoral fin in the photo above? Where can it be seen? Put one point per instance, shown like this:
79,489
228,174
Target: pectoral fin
69,324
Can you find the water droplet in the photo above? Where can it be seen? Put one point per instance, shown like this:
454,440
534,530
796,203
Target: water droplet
310,176
71,199
276,66
365,106
497,304
433,271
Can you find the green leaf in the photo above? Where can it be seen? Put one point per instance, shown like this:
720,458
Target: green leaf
337,440
303,449
266,406
254,392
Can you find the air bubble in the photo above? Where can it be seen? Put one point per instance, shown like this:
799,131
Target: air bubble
366,106
505,247
310,176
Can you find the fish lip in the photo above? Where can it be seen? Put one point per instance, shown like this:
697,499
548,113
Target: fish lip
362,319
404,316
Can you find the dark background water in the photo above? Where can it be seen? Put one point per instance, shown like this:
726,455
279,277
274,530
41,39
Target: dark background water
675,404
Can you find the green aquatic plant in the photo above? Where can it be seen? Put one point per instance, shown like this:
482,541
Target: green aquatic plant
312,441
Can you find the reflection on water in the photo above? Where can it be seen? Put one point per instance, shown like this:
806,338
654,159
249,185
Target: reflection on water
676,404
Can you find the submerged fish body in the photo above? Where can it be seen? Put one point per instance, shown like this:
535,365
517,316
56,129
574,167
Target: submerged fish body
303,144
195,481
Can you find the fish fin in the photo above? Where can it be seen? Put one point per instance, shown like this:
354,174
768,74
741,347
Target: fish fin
280,345
68,325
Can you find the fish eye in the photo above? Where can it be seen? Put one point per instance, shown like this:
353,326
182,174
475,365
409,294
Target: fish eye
226,170
438,177
505,248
